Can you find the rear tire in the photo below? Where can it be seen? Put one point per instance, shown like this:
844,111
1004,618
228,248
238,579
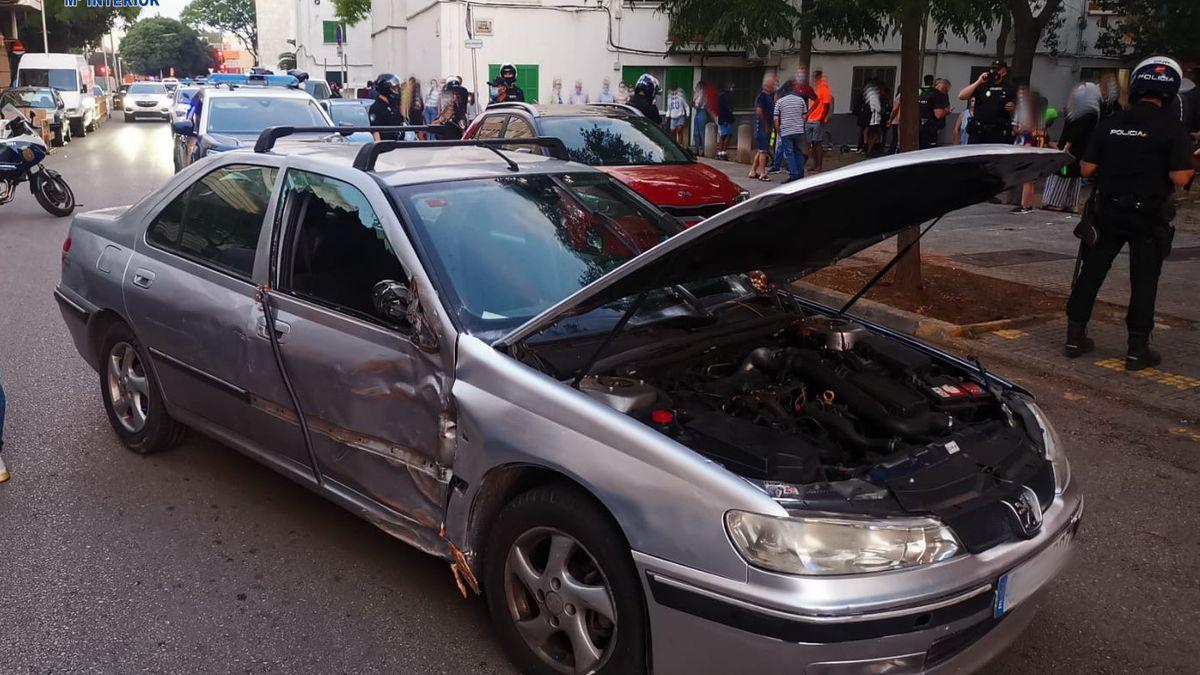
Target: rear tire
131,395
78,128
555,620
60,138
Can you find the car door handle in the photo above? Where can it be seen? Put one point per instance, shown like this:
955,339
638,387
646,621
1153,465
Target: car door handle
282,328
143,277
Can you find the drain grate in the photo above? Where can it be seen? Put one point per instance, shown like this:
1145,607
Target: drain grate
1016,256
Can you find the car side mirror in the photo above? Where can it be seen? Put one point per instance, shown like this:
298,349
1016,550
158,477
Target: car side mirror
83,89
184,128
391,300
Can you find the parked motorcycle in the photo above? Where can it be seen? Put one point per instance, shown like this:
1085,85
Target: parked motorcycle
21,153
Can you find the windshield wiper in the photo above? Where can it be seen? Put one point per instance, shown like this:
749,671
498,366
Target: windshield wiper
886,268
587,365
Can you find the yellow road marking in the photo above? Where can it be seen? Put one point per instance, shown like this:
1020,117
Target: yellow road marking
1010,333
1180,382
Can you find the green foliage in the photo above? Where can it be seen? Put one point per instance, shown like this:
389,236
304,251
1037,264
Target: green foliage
1147,27
352,11
232,16
72,29
155,45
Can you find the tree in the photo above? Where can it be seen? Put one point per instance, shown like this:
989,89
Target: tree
1027,29
154,46
352,11
237,17
1148,27
72,29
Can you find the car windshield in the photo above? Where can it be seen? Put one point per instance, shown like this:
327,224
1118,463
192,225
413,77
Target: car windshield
347,114
614,141
147,88
183,95
508,248
63,79
250,115
31,98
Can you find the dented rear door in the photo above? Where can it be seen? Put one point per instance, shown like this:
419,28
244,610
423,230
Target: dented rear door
373,398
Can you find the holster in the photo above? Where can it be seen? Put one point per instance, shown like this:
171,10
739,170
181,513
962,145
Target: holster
1086,231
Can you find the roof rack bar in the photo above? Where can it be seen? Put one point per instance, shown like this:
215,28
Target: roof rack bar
524,105
365,160
266,139
623,106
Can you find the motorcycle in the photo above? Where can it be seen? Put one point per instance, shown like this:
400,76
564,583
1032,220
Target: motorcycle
21,153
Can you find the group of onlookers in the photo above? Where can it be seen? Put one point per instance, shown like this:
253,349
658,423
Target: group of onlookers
789,125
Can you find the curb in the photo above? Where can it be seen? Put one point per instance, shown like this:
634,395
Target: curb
910,322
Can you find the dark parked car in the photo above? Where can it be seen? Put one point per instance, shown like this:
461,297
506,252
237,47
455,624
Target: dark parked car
43,103
643,460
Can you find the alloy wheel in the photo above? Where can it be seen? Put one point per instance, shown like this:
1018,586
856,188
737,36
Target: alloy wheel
560,601
128,389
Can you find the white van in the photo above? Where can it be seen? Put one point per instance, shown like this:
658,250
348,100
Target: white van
71,75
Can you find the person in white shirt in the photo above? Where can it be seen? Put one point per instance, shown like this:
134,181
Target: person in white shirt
606,95
578,95
556,92
677,114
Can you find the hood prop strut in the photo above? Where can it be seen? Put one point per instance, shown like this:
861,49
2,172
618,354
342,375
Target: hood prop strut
587,366
886,268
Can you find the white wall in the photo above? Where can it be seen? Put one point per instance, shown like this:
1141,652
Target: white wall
276,23
316,57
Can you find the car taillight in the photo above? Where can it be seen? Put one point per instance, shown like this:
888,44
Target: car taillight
66,248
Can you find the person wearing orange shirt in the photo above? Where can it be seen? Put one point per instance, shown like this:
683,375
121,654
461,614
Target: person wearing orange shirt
818,115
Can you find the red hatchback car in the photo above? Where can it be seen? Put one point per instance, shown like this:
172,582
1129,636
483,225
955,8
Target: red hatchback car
617,139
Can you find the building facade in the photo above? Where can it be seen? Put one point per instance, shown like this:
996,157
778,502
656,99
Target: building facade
309,29
591,40
12,15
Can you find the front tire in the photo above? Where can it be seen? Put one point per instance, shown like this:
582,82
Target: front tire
60,137
132,397
561,586
78,128
53,193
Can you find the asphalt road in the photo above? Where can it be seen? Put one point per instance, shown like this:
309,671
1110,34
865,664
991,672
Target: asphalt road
199,560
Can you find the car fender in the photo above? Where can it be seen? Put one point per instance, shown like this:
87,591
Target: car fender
511,415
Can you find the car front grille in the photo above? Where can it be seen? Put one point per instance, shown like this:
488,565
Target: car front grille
146,104
694,212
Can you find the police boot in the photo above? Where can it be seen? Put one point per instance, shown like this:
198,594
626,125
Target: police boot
1140,354
1078,343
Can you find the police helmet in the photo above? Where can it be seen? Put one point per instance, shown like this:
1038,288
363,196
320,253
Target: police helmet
300,75
1157,77
509,72
387,84
647,85
453,81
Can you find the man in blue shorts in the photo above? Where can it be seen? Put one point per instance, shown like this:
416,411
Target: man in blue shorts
724,120
764,113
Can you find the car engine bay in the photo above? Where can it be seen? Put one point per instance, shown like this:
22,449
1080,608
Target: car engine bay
826,414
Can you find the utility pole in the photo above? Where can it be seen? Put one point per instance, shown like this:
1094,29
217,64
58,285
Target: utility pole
45,35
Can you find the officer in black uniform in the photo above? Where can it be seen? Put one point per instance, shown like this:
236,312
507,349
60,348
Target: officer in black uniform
644,91
1138,156
933,105
508,73
995,99
385,110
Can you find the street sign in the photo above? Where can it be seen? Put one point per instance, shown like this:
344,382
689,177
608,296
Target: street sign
473,44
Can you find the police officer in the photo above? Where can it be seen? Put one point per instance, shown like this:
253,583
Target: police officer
385,110
933,105
644,91
454,111
1138,156
995,99
508,74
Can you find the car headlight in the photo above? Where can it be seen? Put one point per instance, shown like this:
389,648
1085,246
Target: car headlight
823,544
742,196
1055,452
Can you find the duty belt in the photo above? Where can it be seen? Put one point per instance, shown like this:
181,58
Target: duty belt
1134,203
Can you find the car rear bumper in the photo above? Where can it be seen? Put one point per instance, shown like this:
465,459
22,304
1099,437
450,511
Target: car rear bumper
701,626
77,313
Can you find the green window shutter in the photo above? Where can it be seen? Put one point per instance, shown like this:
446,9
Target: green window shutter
329,29
630,75
679,76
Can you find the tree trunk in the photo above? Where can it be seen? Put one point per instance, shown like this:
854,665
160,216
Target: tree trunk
804,45
1002,37
908,270
1026,33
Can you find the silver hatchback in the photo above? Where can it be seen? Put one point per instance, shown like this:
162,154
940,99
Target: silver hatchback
640,443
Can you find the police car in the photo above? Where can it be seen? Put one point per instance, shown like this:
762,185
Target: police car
233,111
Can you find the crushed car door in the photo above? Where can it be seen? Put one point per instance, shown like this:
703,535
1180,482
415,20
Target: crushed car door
372,397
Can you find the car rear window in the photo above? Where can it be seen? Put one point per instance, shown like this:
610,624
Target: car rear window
147,88
614,141
250,115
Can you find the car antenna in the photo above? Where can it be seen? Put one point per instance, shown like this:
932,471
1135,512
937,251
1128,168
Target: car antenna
886,268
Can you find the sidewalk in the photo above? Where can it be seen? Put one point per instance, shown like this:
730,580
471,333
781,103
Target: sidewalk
1038,250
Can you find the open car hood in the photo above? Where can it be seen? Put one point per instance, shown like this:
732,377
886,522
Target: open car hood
803,226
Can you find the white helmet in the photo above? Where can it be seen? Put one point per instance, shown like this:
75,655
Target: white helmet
1158,76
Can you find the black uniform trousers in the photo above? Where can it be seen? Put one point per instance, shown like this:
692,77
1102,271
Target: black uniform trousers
1118,227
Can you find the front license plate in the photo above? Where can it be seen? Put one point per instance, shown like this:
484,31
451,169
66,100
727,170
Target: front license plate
1016,586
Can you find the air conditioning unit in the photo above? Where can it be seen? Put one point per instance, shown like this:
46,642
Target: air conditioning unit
758,53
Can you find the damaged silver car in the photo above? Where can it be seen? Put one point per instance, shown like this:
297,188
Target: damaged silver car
643,455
